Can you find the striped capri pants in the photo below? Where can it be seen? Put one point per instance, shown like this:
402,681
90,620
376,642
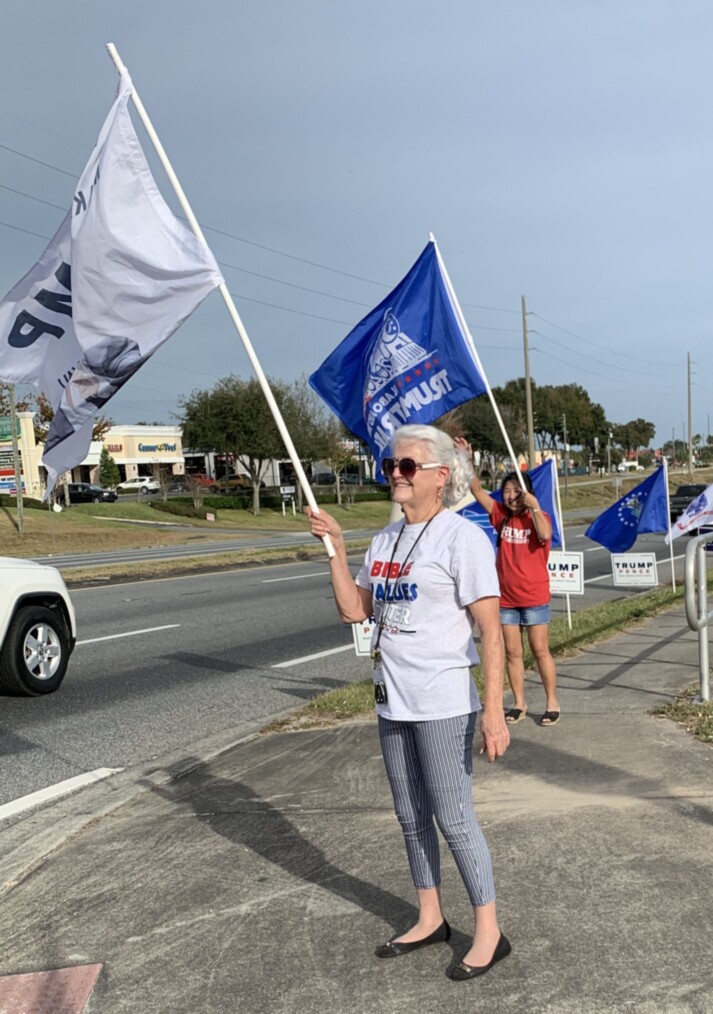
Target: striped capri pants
430,766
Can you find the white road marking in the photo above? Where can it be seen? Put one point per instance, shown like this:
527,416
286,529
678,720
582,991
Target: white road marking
295,577
55,791
309,658
129,633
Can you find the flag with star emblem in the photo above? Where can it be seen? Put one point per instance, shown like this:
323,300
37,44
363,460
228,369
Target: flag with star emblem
642,509
410,360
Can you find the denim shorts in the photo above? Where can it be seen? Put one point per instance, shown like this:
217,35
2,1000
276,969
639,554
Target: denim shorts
528,616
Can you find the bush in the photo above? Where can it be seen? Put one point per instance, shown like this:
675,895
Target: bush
10,500
181,510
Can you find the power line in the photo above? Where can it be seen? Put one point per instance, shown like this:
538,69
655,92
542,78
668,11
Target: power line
27,231
31,158
592,373
31,197
589,341
625,369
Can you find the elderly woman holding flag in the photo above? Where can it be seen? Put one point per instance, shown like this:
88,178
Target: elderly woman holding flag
429,580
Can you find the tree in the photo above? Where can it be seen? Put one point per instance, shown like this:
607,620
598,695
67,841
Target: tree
21,405
553,405
309,424
234,418
632,435
477,422
337,449
109,474
585,420
44,414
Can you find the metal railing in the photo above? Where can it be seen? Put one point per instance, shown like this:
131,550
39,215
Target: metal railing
695,576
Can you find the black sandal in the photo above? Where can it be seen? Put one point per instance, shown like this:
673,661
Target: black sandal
514,715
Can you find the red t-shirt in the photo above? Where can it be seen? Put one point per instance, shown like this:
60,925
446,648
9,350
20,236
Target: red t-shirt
521,560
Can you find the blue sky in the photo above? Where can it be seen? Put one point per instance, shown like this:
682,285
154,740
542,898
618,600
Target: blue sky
561,150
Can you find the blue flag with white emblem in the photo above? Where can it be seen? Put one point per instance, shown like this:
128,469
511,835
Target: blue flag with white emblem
642,509
543,485
408,361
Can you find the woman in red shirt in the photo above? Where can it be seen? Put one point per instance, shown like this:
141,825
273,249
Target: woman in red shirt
524,536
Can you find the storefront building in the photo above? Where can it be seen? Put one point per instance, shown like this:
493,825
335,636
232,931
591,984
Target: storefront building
139,450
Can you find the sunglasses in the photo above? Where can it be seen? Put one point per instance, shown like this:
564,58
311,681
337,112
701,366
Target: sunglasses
407,466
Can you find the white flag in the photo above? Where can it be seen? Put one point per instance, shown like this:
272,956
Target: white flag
698,513
37,341
127,271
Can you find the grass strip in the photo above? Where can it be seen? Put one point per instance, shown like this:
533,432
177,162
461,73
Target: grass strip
155,570
356,700
694,717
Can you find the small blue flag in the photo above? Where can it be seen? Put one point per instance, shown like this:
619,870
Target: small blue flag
543,484
408,361
642,509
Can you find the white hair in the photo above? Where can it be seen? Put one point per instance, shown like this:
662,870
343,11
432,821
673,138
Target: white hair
441,449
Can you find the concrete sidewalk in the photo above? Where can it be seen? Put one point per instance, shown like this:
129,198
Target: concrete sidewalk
262,881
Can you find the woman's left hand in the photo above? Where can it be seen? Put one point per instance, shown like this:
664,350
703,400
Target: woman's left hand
494,733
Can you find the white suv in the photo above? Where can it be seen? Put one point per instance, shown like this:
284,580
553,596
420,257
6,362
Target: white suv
140,484
38,628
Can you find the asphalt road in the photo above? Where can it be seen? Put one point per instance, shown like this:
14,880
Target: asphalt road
165,664
162,664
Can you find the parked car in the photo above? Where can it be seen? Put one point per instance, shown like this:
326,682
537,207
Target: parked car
88,492
140,484
685,495
629,466
324,479
235,484
38,629
354,480
178,485
200,479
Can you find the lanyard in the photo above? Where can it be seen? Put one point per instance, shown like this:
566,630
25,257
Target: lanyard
375,653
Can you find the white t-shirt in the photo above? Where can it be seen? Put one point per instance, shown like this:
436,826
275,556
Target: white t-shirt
427,644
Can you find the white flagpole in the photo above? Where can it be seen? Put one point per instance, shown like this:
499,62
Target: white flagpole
228,299
668,518
561,521
474,352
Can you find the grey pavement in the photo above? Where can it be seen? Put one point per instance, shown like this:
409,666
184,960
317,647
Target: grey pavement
261,880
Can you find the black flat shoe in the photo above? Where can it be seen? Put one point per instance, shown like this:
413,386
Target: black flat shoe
393,948
462,971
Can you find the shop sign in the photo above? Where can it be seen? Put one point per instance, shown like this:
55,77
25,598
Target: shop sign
156,448
6,427
114,448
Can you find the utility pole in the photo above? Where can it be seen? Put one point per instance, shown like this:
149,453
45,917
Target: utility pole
528,391
609,436
566,453
16,462
690,422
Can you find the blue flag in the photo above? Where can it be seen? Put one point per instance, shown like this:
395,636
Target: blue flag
543,484
407,361
642,509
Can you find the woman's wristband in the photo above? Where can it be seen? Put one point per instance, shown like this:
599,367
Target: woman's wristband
534,510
